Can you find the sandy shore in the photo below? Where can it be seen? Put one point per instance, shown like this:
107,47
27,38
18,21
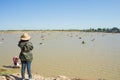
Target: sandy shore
17,76
6,75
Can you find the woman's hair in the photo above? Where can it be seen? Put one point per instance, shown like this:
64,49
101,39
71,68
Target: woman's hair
24,40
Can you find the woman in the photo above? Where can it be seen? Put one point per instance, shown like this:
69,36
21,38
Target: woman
25,56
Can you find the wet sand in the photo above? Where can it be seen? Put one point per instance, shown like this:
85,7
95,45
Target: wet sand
73,54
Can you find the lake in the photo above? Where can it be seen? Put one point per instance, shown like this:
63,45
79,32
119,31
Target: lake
69,53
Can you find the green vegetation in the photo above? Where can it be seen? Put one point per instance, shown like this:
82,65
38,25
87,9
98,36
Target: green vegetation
107,30
83,42
4,71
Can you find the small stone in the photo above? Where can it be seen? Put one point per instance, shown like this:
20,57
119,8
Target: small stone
80,38
18,74
59,77
41,43
92,39
8,77
2,78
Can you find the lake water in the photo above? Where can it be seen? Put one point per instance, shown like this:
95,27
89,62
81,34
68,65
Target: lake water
73,54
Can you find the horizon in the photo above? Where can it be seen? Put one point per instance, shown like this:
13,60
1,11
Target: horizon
58,15
97,29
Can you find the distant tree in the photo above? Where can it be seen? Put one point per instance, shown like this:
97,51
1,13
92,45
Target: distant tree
91,29
115,30
104,30
108,30
99,29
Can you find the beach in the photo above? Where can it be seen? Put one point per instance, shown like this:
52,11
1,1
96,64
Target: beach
75,54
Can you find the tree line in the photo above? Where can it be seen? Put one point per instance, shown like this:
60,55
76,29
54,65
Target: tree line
108,30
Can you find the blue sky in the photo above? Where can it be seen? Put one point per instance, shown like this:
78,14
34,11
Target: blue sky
59,14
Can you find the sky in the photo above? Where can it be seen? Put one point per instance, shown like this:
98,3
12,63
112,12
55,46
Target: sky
59,14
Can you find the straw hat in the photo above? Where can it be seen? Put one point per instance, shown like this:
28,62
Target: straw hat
25,36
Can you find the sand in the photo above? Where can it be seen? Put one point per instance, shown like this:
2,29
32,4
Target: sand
16,76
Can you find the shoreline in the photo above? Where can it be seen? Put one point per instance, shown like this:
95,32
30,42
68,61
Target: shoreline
21,31
6,74
17,76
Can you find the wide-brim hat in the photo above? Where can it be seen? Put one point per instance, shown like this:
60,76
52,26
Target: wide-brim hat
25,36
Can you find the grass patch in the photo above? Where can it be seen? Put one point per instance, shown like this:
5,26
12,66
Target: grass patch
4,71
